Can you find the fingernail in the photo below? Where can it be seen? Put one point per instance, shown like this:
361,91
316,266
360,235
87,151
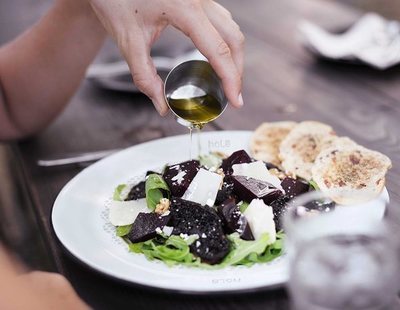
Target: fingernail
240,100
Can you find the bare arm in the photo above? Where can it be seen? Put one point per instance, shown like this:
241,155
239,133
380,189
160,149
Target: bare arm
35,290
41,69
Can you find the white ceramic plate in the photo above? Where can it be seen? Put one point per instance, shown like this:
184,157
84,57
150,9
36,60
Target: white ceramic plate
80,220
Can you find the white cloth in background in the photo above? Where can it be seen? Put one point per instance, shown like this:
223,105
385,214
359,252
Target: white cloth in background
372,40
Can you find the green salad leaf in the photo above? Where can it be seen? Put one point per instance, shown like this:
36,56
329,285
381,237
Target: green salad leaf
243,206
241,249
173,250
271,252
155,185
211,160
123,230
314,185
118,191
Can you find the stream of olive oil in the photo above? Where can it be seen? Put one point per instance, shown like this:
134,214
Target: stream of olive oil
197,134
198,111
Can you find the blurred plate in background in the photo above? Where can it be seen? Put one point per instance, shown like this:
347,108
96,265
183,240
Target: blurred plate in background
116,75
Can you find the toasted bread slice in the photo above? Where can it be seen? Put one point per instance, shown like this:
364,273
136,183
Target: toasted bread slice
339,142
302,145
266,139
352,173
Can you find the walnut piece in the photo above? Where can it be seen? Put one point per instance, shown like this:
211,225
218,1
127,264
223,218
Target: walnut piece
281,175
220,171
163,206
220,154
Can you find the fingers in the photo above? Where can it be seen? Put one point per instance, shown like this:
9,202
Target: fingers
222,20
144,73
215,49
58,292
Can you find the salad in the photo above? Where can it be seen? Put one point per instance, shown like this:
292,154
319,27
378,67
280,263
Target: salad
223,210
213,212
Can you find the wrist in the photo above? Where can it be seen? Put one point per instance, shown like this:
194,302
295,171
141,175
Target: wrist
80,15
80,10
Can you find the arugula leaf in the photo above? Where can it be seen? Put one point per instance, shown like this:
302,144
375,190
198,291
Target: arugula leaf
243,206
175,250
171,251
314,185
123,230
118,191
271,252
256,251
240,248
211,160
154,186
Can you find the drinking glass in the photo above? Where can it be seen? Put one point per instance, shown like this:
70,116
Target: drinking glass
343,257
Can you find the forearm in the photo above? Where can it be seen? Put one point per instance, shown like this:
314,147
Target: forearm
41,69
34,290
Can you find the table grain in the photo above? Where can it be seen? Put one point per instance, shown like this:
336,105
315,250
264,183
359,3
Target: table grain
281,82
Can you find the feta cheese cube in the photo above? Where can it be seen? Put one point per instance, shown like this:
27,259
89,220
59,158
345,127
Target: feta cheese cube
261,219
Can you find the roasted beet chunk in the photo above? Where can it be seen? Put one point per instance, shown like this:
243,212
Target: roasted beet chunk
145,226
226,191
294,187
137,192
191,218
279,207
248,189
238,157
179,176
233,220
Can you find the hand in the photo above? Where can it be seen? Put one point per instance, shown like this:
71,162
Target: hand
136,25
34,290
53,291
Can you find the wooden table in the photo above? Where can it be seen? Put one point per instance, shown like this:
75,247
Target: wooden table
282,81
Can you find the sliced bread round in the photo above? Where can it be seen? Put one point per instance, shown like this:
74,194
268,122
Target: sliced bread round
302,145
266,139
352,173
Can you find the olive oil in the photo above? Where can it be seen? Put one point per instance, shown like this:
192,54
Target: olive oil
197,110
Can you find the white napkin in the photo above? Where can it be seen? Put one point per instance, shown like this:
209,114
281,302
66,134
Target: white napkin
372,40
